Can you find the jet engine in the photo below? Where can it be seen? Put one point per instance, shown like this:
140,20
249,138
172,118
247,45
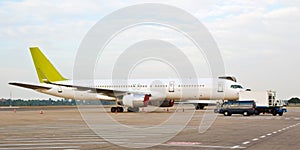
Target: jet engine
167,103
136,100
164,103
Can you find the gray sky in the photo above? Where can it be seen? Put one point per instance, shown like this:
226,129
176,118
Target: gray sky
259,41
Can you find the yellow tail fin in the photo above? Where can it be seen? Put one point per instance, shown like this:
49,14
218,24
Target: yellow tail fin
45,70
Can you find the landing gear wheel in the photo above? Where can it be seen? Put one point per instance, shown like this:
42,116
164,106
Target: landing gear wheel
199,106
133,109
113,109
120,109
116,109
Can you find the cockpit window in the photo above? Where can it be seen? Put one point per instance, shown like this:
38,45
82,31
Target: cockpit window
236,86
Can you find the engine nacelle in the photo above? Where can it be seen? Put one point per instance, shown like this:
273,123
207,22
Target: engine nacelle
136,100
164,103
167,103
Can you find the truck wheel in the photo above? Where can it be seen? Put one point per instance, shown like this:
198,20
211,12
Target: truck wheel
256,112
274,113
280,114
245,113
226,113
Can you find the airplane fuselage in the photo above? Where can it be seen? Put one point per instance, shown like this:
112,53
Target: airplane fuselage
175,89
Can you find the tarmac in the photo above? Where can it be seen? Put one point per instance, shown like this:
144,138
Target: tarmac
83,128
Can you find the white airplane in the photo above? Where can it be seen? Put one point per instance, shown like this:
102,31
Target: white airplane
132,93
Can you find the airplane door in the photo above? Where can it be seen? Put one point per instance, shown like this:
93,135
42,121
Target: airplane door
59,90
171,86
220,87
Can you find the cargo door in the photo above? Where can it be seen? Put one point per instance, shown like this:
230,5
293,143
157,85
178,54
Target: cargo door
220,87
171,86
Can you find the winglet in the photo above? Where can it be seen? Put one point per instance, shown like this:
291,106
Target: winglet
45,70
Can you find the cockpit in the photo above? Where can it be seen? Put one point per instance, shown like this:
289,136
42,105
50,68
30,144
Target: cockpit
236,86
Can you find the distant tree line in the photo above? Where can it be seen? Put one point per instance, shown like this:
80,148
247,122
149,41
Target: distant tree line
50,102
294,100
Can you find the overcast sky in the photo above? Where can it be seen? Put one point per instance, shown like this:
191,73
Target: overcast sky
258,40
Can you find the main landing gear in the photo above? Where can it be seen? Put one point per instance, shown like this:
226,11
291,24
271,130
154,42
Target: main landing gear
117,109
199,106
133,109
121,109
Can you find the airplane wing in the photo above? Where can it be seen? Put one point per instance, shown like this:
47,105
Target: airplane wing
29,86
210,102
108,92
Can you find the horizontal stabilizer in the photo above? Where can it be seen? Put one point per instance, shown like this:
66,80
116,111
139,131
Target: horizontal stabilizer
29,86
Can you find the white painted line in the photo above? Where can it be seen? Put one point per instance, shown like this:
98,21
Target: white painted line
247,142
184,143
45,144
50,138
262,136
269,134
236,146
77,141
203,146
46,147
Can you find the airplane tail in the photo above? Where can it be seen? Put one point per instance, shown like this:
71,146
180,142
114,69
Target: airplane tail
45,70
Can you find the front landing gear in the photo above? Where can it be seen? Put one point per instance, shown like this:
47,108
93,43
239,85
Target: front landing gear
117,109
199,106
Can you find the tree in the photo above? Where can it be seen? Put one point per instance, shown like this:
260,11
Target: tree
294,100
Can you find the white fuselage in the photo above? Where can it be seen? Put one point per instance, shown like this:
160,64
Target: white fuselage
175,89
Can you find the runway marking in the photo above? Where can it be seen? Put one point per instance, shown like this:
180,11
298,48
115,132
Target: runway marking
57,140
44,147
263,136
206,146
236,146
42,144
269,134
50,138
184,143
247,142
